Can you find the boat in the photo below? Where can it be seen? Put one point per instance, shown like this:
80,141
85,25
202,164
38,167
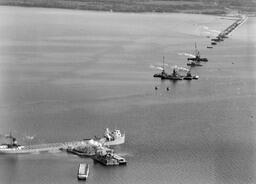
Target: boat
189,76
107,157
112,138
12,146
193,63
163,74
213,43
217,39
83,171
209,47
197,57
89,147
174,76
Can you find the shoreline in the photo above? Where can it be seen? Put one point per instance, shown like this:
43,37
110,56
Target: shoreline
214,12
102,11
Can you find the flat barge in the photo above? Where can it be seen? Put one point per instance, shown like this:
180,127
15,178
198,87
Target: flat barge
83,171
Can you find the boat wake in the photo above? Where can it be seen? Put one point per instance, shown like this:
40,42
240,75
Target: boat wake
172,67
156,67
186,54
205,30
125,154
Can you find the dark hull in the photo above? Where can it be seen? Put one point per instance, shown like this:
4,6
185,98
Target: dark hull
198,59
194,64
173,78
195,77
158,75
217,40
108,161
167,77
187,78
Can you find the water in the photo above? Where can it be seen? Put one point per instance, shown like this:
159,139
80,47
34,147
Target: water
67,75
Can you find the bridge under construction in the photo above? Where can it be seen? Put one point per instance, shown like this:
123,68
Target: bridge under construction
50,147
110,138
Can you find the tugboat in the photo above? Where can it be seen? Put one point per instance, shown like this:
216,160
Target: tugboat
163,74
197,56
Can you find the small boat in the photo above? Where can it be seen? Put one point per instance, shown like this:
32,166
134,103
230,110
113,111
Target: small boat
83,171
194,64
209,47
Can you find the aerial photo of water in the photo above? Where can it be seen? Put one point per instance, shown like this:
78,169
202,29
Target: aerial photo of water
68,74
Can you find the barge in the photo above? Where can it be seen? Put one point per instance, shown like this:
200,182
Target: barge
83,171
107,157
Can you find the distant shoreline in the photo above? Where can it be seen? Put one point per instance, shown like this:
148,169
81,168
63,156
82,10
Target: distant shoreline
190,7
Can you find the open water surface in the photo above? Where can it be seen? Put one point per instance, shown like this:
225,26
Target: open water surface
67,74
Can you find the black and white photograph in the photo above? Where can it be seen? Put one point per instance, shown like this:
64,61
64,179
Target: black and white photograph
127,91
